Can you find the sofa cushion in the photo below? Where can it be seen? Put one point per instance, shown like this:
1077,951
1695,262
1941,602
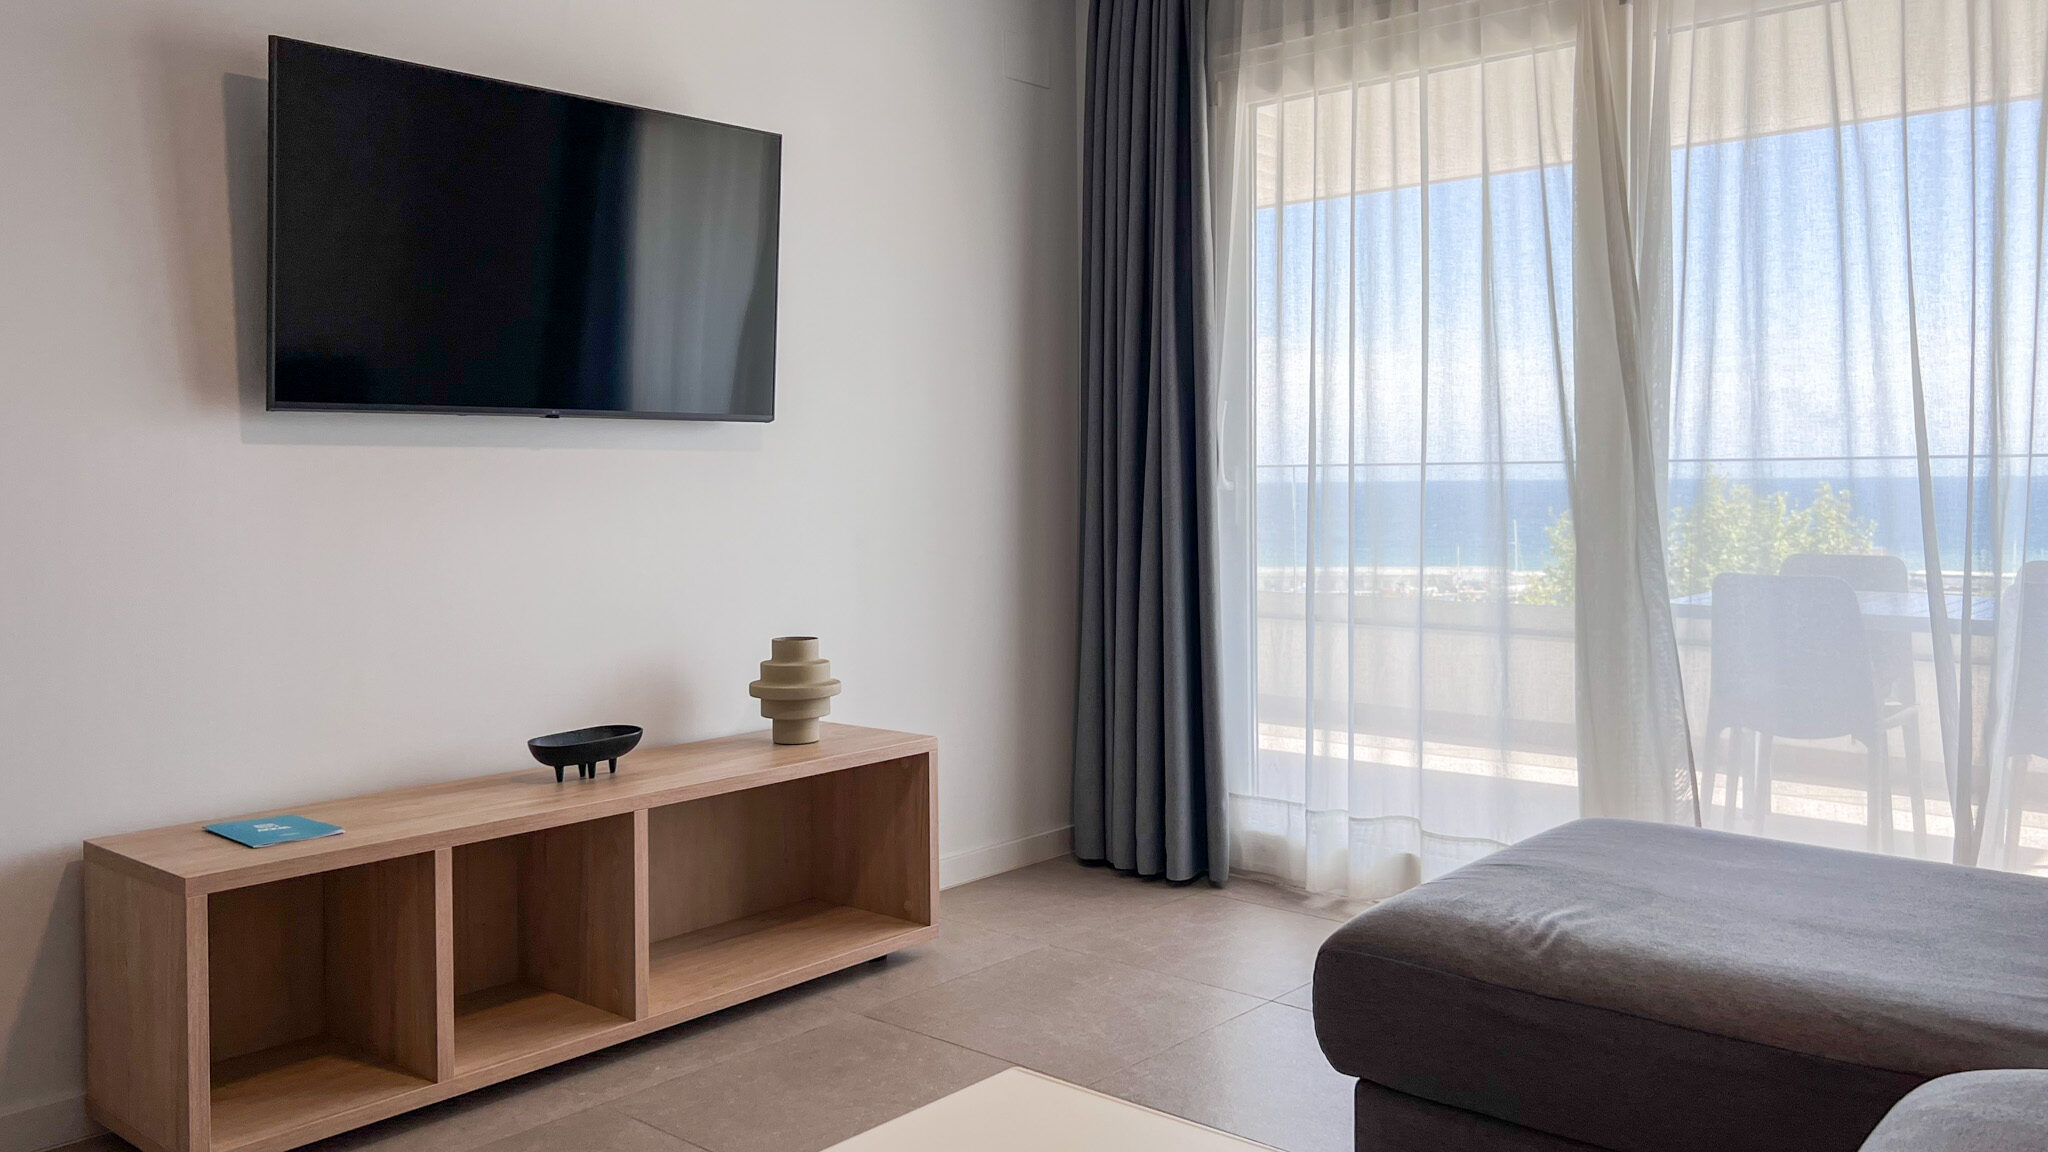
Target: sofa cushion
1648,988
2000,1111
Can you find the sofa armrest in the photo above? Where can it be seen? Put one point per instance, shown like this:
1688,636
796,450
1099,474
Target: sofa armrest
2003,1110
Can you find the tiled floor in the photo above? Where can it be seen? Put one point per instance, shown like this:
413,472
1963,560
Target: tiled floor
1187,999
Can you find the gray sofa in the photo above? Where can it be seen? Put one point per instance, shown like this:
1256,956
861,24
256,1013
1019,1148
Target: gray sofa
1998,1111
1629,987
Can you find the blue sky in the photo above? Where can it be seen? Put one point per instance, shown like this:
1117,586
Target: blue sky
1793,296
1794,290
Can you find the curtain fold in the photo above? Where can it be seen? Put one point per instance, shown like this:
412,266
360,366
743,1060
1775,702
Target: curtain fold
1635,748
1852,304
1429,356
1147,773
1629,410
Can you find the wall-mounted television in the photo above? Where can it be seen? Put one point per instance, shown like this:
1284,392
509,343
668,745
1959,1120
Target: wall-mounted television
445,243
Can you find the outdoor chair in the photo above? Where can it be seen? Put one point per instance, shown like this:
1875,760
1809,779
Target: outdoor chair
1791,660
2026,729
1891,654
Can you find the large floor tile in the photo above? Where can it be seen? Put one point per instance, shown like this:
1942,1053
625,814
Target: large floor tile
594,1129
672,1052
1271,895
1260,1076
466,1122
491,1114
810,1091
961,948
104,1142
1209,938
1055,899
1149,1009
1303,997
1070,1015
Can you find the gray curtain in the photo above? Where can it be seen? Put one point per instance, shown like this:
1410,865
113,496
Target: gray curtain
1148,767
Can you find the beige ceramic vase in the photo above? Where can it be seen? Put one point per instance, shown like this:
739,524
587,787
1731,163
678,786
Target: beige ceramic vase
795,688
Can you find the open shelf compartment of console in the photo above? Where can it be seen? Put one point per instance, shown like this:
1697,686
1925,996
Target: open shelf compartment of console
756,890
544,940
467,932
322,997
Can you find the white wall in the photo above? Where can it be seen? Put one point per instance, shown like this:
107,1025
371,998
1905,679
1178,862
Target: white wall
206,609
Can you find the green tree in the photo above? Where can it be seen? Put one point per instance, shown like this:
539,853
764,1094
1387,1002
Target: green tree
1728,527
1732,528
1555,584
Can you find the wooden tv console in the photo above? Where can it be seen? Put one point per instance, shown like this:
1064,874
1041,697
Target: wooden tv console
459,934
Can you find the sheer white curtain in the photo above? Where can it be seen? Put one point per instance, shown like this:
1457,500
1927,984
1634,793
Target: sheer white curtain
1571,346
1852,308
1403,309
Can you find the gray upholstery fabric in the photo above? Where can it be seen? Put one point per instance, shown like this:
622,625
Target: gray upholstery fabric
1899,964
1148,767
1999,1111
1606,1078
1389,1121
1647,988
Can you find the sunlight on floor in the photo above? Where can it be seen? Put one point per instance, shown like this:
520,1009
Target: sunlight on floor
1827,804
1437,756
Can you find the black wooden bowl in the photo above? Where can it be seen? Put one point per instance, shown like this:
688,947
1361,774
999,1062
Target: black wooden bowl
584,748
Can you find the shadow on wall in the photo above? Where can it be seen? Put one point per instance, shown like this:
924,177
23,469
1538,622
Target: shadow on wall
49,1025
1046,434
245,104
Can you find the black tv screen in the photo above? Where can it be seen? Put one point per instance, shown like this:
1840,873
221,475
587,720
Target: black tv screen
445,243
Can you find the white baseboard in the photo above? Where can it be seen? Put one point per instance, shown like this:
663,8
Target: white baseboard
62,1121
47,1125
978,863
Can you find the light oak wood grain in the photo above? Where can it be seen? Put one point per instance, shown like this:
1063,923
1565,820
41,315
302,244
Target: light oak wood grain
262,1098
267,949
462,934
361,1096
747,957
556,908
381,973
444,963
145,1015
192,860
486,914
874,828
641,932
347,956
577,926
512,1021
729,856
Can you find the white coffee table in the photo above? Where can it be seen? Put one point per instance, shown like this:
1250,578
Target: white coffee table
1023,1111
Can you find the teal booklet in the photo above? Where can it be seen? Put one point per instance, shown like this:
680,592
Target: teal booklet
272,830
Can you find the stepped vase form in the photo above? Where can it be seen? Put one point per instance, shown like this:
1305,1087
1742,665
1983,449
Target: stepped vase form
795,688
